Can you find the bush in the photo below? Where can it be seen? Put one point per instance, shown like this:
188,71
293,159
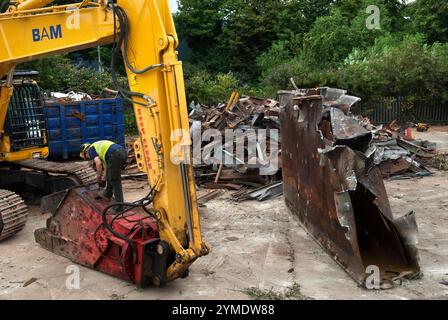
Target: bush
207,88
405,68
59,74
396,65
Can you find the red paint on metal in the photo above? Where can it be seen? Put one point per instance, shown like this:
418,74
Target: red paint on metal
76,231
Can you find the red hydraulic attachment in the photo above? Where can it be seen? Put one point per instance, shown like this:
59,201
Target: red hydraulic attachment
76,231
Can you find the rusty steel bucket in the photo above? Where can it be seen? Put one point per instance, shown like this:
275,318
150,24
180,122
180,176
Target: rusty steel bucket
337,193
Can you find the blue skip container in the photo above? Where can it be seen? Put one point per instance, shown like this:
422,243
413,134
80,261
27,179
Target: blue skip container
69,125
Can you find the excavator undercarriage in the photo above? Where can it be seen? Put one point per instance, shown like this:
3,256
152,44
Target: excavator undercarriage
35,177
13,214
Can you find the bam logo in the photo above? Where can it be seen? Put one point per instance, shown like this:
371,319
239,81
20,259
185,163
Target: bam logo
51,33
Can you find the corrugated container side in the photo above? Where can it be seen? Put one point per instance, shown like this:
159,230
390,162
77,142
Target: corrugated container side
70,125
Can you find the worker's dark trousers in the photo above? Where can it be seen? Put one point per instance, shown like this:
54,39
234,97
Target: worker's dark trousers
114,164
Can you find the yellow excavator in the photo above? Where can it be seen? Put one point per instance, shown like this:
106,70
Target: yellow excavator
156,239
23,152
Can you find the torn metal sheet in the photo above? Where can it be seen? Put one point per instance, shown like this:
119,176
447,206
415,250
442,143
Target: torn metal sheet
348,101
396,167
332,94
264,193
348,132
415,149
338,193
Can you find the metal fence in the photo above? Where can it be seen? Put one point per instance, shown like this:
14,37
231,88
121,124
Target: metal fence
405,110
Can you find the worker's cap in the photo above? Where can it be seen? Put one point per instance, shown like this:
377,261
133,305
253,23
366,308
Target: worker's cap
84,148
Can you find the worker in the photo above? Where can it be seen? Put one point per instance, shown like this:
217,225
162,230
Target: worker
109,158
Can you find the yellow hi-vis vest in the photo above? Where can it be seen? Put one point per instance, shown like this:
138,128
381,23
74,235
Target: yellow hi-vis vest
101,148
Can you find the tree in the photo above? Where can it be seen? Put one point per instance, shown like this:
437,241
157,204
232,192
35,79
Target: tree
57,73
230,34
200,22
4,5
395,65
350,9
203,87
408,68
333,37
429,17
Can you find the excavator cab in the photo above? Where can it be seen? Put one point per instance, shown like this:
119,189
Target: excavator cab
24,172
25,122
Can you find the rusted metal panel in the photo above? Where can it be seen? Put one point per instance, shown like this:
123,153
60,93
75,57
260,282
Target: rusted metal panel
264,193
76,230
334,188
348,132
391,168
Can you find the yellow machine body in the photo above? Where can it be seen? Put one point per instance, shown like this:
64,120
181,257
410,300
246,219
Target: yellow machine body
31,31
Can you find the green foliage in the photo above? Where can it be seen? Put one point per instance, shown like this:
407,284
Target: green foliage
329,41
431,18
200,20
278,76
393,66
208,88
350,9
340,51
130,122
279,52
333,37
256,46
204,87
407,68
59,74
4,5
230,34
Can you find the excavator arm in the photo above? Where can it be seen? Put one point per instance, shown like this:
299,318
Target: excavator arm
144,32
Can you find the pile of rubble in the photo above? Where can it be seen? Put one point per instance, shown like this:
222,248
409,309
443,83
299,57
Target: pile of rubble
390,147
399,155
245,117
73,96
238,113
64,98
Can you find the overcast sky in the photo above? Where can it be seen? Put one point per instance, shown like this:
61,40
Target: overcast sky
173,5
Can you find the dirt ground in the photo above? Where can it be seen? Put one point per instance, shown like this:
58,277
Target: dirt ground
254,245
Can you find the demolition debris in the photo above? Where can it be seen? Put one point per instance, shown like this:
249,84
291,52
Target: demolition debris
400,156
256,166
331,169
391,148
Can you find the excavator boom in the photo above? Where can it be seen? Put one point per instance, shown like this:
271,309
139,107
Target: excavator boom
168,219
